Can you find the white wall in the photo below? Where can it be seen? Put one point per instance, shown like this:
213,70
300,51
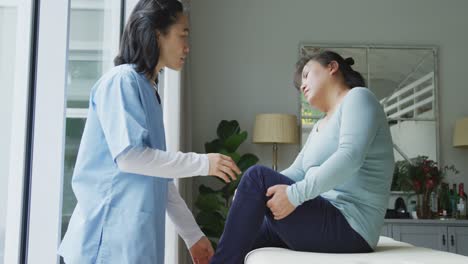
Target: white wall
7,55
244,51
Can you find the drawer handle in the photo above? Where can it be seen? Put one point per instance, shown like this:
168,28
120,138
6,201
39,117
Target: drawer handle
452,240
443,240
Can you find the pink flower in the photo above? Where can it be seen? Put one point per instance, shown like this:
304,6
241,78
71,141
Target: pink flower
429,184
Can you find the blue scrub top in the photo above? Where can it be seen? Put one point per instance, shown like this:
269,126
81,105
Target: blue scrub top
119,217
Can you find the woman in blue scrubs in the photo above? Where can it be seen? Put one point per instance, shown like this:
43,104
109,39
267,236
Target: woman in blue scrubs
123,177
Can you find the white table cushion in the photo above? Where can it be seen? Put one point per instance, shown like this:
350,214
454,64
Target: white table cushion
387,251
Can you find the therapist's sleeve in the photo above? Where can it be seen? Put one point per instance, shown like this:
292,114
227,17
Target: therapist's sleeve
120,111
358,127
166,164
182,217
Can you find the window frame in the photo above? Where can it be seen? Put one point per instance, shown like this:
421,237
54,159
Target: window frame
21,133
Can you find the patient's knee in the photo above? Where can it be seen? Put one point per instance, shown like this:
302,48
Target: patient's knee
252,178
254,172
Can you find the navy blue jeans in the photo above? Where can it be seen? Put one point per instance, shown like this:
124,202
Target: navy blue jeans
314,226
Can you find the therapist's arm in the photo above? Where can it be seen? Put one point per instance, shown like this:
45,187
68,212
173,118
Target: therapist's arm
358,127
154,162
182,217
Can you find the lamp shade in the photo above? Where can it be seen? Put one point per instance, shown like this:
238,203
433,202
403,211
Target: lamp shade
275,128
460,134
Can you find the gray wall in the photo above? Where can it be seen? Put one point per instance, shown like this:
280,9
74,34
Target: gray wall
243,53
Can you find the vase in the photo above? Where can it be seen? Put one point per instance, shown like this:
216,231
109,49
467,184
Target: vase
422,206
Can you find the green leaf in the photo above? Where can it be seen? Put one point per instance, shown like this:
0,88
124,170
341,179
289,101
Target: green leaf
213,222
227,128
246,161
214,146
209,202
224,212
203,189
233,142
209,232
228,190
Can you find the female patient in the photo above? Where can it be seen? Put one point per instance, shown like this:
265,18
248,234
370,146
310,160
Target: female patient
333,197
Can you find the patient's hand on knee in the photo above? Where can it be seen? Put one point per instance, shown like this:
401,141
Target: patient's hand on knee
279,203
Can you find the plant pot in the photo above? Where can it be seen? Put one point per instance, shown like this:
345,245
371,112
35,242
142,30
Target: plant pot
422,207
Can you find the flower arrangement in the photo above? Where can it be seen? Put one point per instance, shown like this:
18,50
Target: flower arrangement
422,176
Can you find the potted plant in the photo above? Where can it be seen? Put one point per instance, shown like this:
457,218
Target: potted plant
423,176
213,204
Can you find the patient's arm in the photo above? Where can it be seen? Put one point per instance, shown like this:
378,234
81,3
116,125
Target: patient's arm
295,171
182,217
358,127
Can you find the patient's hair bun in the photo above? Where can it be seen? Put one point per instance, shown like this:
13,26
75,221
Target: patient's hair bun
349,61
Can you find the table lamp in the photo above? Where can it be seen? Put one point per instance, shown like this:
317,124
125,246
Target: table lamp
460,133
275,129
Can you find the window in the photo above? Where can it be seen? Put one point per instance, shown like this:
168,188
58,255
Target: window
15,48
94,35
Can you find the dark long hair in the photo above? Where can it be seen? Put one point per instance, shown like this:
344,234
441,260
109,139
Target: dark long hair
351,77
139,43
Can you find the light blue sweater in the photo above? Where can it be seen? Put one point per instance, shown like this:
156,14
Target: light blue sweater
349,162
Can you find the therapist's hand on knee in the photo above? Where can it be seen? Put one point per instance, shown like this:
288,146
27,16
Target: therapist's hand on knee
279,203
223,167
